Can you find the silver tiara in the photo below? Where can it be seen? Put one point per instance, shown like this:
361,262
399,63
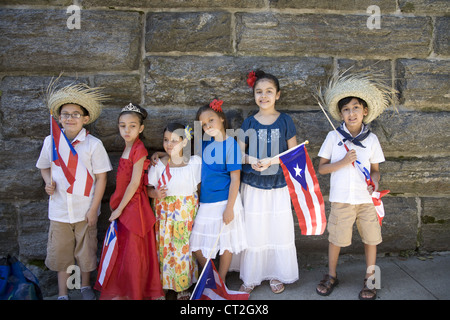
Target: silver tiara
131,107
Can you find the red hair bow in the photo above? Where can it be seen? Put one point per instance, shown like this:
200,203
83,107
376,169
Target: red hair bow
251,79
216,105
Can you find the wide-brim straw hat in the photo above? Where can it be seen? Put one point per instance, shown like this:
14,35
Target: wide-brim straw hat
367,86
80,94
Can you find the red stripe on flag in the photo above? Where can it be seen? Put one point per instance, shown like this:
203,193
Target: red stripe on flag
291,187
317,191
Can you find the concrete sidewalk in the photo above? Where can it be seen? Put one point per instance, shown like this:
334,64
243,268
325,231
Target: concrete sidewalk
424,277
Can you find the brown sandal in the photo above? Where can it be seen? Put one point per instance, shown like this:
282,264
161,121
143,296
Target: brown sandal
371,294
328,283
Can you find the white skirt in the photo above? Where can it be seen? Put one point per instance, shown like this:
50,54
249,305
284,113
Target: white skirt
269,226
207,226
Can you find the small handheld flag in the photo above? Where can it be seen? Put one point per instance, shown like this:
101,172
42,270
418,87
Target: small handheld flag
304,190
211,287
165,176
376,196
109,254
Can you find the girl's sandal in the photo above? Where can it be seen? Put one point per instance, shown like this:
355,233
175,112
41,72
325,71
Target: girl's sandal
276,286
183,295
326,285
246,289
366,293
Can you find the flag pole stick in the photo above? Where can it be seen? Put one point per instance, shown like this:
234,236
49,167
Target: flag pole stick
287,151
51,133
207,260
334,128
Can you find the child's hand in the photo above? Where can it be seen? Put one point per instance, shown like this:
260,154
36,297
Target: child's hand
350,157
115,214
50,188
262,164
91,218
161,192
371,189
154,159
228,216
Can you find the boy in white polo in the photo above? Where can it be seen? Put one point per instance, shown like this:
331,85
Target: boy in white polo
355,101
73,217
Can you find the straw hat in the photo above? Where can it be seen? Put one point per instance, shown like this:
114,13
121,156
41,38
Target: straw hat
365,85
81,94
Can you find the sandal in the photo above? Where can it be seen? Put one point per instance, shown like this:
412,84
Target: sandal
327,283
276,286
183,295
246,289
370,294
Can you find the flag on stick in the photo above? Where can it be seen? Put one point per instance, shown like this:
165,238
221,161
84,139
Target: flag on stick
304,190
165,176
211,287
64,156
109,254
376,195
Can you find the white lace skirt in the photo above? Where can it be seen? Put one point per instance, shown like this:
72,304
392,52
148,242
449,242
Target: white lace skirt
207,226
269,225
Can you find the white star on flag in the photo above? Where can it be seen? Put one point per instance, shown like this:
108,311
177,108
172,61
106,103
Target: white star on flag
298,171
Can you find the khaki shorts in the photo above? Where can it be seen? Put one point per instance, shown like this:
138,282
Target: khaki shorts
341,220
68,242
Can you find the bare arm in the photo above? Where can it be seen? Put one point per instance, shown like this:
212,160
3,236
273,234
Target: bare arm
50,185
228,214
375,175
131,189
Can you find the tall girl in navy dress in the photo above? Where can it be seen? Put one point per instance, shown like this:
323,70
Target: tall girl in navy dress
269,224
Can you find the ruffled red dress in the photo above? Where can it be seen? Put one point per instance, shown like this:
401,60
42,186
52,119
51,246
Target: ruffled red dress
135,274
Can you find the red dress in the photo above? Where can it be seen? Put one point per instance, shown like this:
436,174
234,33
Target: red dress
135,274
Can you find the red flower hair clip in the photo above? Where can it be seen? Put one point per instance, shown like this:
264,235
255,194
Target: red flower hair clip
251,79
216,105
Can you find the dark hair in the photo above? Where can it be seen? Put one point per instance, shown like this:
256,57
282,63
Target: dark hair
260,75
346,100
221,114
142,114
171,127
178,129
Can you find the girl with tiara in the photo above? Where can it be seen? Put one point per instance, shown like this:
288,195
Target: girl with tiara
135,273
176,204
269,222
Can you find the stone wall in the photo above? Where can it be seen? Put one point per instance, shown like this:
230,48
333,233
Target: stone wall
172,56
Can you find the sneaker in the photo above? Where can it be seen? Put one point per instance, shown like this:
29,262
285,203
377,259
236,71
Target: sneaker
88,293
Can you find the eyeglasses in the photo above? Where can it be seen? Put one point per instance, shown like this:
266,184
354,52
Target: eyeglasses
74,115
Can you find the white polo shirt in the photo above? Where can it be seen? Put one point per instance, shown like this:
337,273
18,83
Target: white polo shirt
347,185
65,207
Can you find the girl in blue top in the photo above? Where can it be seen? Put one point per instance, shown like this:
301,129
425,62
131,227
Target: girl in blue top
269,224
220,202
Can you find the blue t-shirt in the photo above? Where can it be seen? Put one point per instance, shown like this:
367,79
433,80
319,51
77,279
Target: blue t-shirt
219,158
266,141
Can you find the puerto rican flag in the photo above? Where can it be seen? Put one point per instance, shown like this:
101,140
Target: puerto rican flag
211,287
165,177
64,156
109,254
376,195
304,190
